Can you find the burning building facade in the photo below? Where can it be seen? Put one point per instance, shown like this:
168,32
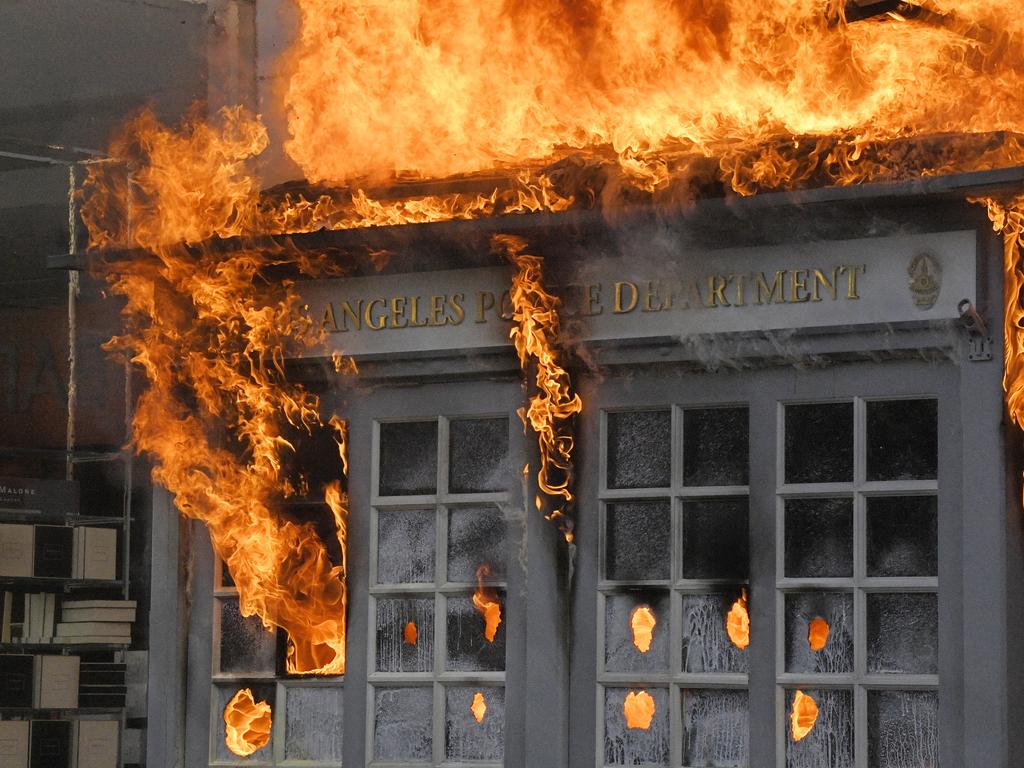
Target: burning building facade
563,422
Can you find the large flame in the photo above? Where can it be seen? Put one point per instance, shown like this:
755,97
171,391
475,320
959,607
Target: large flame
212,344
641,623
246,724
803,715
737,622
639,709
817,634
535,333
478,707
485,600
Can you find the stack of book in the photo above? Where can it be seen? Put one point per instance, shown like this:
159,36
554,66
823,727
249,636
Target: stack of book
96,621
102,684
52,743
39,682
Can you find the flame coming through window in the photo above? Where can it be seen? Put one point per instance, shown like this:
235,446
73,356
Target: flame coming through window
737,622
485,600
639,710
536,336
642,622
410,634
478,707
246,724
803,715
817,634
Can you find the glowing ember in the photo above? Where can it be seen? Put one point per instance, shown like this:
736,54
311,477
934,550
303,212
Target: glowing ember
639,710
642,622
485,600
737,622
478,707
410,634
817,634
218,403
803,716
246,724
535,333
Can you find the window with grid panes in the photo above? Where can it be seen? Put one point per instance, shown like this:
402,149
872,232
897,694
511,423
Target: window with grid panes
674,545
438,533
857,582
308,719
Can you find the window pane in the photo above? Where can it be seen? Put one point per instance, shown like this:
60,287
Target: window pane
819,538
469,650
903,536
408,458
819,443
639,540
405,546
902,441
402,730
246,646
476,536
706,643
624,745
479,455
715,729
819,632
903,729
903,633
715,446
830,741
639,449
315,723
465,736
715,539
649,652
401,648
224,694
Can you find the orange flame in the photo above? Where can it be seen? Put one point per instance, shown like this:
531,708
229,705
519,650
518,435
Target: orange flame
246,724
817,633
642,622
218,405
803,716
639,710
737,622
410,634
535,333
485,600
478,707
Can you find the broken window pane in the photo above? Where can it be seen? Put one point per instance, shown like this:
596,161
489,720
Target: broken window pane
715,446
468,647
706,643
903,633
476,536
314,723
478,460
715,729
224,694
902,439
830,742
402,724
621,653
819,538
635,746
639,540
715,539
401,648
639,449
405,546
903,536
819,443
805,610
246,646
408,458
474,723
903,729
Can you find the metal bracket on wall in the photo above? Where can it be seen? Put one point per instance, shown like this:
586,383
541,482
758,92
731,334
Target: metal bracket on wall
978,339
